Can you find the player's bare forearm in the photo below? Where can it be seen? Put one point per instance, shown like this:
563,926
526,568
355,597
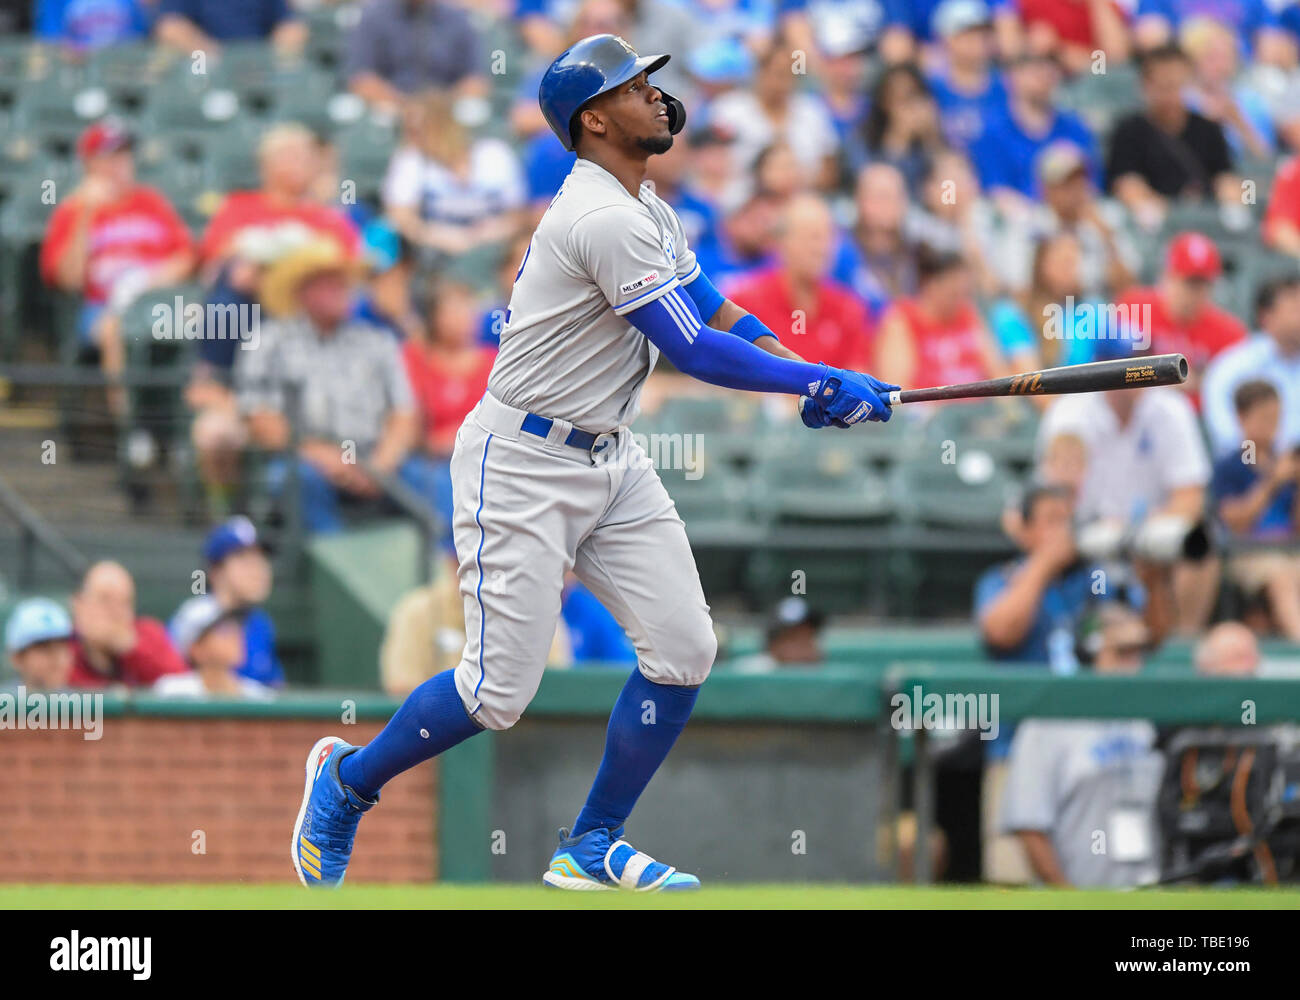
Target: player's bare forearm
729,314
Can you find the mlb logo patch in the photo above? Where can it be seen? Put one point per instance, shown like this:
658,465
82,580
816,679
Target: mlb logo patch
633,286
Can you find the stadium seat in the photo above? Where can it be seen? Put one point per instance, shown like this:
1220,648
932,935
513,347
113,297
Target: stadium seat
231,166
128,72
969,459
327,27
364,149
1102,99
1006,427
51,113
186,105
712,413
821,480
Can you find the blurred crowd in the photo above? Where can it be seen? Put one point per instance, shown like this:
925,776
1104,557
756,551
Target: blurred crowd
892,186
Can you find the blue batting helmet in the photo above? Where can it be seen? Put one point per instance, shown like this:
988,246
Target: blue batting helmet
589,68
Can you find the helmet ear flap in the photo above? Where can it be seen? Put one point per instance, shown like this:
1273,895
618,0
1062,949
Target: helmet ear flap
676,112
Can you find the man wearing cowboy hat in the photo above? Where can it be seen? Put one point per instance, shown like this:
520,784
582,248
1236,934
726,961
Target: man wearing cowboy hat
350,399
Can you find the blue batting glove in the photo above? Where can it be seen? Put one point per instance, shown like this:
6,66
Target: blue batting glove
812,414
849,397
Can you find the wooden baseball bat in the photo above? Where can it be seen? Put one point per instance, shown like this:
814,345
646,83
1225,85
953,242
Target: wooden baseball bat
1097,376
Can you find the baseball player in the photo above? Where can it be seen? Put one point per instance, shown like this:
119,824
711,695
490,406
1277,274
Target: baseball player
547,478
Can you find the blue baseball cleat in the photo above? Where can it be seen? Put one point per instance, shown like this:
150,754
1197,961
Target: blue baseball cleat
327,821
600,860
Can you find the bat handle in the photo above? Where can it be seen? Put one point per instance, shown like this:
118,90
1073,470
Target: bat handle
895,397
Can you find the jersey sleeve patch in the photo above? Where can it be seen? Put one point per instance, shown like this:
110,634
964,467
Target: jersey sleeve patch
640,283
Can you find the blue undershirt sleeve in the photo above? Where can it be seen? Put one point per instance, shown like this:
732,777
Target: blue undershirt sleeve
672,323
708,300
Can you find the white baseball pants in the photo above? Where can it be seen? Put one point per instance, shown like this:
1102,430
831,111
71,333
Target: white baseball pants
527,510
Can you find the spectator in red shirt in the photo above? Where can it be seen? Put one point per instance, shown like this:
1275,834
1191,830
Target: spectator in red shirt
937,337
251,231
1075,30
449,367
448,370
1282,219
111,239
1183,319
112,645
289,158
818,318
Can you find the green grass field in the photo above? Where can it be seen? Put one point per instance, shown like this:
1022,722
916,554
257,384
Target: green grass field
732,897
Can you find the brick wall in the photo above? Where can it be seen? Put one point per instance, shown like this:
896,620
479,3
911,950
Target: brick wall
126,808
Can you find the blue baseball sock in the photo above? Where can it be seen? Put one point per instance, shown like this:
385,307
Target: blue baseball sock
431,720
642,729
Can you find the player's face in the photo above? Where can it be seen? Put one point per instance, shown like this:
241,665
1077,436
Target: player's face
636,115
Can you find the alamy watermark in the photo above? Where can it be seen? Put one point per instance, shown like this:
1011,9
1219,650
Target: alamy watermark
1072,320
953,711
22,710
181,320
684,452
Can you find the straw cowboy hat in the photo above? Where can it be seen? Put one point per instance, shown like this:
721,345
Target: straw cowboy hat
279,287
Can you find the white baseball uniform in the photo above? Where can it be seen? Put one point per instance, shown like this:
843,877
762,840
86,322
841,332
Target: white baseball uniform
530,508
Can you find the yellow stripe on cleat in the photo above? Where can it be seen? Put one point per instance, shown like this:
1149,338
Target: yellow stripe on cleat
310,849
308,866
564,866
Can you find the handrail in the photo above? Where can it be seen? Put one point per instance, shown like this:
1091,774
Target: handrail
35,530
61,376
428,523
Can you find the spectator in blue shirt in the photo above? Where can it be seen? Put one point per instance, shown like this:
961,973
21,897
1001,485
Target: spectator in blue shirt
595,636
804,22
1005,153
965,87
401,47
492,321
239,576
1273,354
91,24
1255,494
843,46
901,128
1028,610
190,25
745,238
546,164
670,174
1253,21
910,24
878,259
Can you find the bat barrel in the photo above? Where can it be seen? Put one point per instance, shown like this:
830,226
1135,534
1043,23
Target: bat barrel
1096,376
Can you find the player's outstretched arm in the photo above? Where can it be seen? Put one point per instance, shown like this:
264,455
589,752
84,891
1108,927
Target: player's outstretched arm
672,323
720,313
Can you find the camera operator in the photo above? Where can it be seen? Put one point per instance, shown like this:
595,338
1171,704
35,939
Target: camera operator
1143,491
1030,611
1256,499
